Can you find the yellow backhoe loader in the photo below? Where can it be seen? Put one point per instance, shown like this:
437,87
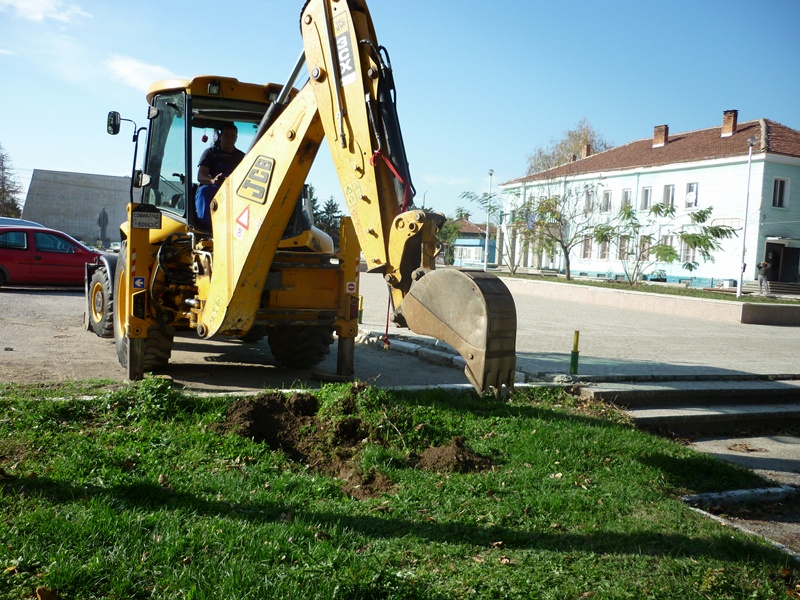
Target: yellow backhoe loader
260,268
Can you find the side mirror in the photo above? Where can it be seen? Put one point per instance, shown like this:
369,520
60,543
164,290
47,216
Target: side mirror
112,124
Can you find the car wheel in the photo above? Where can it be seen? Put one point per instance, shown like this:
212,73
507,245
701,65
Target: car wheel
101,304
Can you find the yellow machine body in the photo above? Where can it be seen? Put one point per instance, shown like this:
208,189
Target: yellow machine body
262,264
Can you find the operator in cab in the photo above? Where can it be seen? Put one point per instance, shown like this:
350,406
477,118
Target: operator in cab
216,163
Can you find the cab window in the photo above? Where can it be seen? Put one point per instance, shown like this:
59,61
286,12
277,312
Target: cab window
166,159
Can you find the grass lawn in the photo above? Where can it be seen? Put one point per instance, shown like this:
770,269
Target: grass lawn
357,492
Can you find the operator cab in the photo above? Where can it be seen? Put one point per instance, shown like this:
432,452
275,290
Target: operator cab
186,117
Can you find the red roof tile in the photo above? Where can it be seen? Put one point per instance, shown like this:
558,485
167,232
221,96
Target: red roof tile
705,144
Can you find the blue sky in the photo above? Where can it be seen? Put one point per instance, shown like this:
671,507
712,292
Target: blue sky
479,85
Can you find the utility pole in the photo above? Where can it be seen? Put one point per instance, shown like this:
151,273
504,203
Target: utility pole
488,200
750,142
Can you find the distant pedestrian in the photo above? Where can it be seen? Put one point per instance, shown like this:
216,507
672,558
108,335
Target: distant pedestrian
763,282
102,224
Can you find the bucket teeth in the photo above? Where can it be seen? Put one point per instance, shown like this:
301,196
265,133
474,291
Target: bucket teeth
475,313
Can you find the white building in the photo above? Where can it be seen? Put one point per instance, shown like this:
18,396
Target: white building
691,170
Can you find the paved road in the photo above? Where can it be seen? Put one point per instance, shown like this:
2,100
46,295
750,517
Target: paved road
618,342
42,340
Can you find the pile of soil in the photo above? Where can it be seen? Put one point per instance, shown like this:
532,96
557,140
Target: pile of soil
453,458
291,424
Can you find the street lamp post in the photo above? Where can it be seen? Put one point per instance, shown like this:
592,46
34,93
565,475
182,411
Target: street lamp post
488,200
750,142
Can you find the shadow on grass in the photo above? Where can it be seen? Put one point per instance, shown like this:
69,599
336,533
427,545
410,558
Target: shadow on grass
702,473
151,497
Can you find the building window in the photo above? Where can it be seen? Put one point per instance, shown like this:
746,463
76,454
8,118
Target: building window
779,193
669,195
587,247
605,206
645,245
687,253
624,247
604,250
647,194
626,198
588,201
691,195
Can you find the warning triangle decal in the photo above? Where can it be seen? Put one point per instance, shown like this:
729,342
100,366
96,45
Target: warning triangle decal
244,218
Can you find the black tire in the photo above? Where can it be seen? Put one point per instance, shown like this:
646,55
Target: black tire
137,355
101,304
300,346
3,279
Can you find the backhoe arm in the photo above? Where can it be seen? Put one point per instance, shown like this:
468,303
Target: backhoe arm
352,80
350,100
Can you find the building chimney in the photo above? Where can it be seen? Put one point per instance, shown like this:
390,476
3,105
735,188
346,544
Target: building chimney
660,136
586,150
729,119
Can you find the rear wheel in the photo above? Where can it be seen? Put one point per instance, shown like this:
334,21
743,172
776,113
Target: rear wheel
300,346
101,304
137,355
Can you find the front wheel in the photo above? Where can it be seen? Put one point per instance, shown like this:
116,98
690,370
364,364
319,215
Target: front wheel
129,351
137,355
101,304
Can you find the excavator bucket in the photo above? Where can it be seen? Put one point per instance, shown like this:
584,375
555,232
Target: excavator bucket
474,312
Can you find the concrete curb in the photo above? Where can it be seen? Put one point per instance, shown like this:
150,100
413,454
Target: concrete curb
750,532
430,350
771,494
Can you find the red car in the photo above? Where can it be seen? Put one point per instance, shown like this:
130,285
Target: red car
41,256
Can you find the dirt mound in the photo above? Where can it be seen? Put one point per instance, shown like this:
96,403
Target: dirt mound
453,458
333,446
275,420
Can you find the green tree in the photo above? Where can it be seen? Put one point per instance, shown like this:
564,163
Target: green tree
640,247
563,216
10,189
327,219
513,224
447,236
560,213
567,148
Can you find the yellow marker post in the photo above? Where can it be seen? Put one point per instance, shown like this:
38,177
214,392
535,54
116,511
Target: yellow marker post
360,309
573,362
